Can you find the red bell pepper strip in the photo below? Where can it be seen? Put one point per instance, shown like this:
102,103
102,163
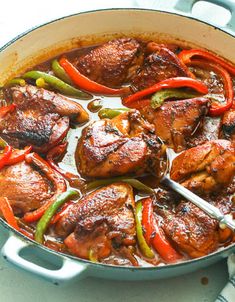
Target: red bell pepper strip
7,212
155,235
186,57
85,83
61,213
37,214
56,153
56,179
168,83
18,156
147,219
163,246
144,247
216,108
7,109
4,157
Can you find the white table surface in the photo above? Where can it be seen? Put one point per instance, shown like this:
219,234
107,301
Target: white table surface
17,16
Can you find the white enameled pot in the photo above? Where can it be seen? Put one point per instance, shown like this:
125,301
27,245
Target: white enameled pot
63,34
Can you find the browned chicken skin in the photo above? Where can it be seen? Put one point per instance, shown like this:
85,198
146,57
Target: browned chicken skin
161,64
122,145
205,168
188,227
193,231
25,187
98,220
112,63
228,125
177,121
41,117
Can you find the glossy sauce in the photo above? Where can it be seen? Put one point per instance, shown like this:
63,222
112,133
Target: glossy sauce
210,131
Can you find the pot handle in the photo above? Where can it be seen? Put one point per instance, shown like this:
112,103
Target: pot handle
70,269
186,6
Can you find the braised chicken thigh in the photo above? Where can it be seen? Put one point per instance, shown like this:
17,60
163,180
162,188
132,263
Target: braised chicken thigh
113,62
176,121
19,183
30,184
159,65
41,117
193,231
205,168
123,145
99,220
188,227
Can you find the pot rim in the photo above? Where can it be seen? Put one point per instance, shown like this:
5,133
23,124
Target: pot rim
228,249
189,262
174,13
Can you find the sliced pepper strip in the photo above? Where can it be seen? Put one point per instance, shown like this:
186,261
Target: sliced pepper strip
56,153
60,72
57,180
163,246
50,212
16,81
18,156
155,236
7,212
215,108
7,109
135,183
37,214
159,97
111,112
144,247
58,84
186,57
168,83
92,256
147,219
3,143
41,83
4,157
61,213
85,83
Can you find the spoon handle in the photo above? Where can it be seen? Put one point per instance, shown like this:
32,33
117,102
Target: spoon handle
211,210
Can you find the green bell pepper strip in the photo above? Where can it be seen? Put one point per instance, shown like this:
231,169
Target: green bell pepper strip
111,113
16,81
160,96
95,105
177,82
3,143
145,249
131,181
60,72
58,84
92,257
40,82
50,212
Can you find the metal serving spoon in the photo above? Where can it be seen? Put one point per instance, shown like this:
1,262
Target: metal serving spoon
212,211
